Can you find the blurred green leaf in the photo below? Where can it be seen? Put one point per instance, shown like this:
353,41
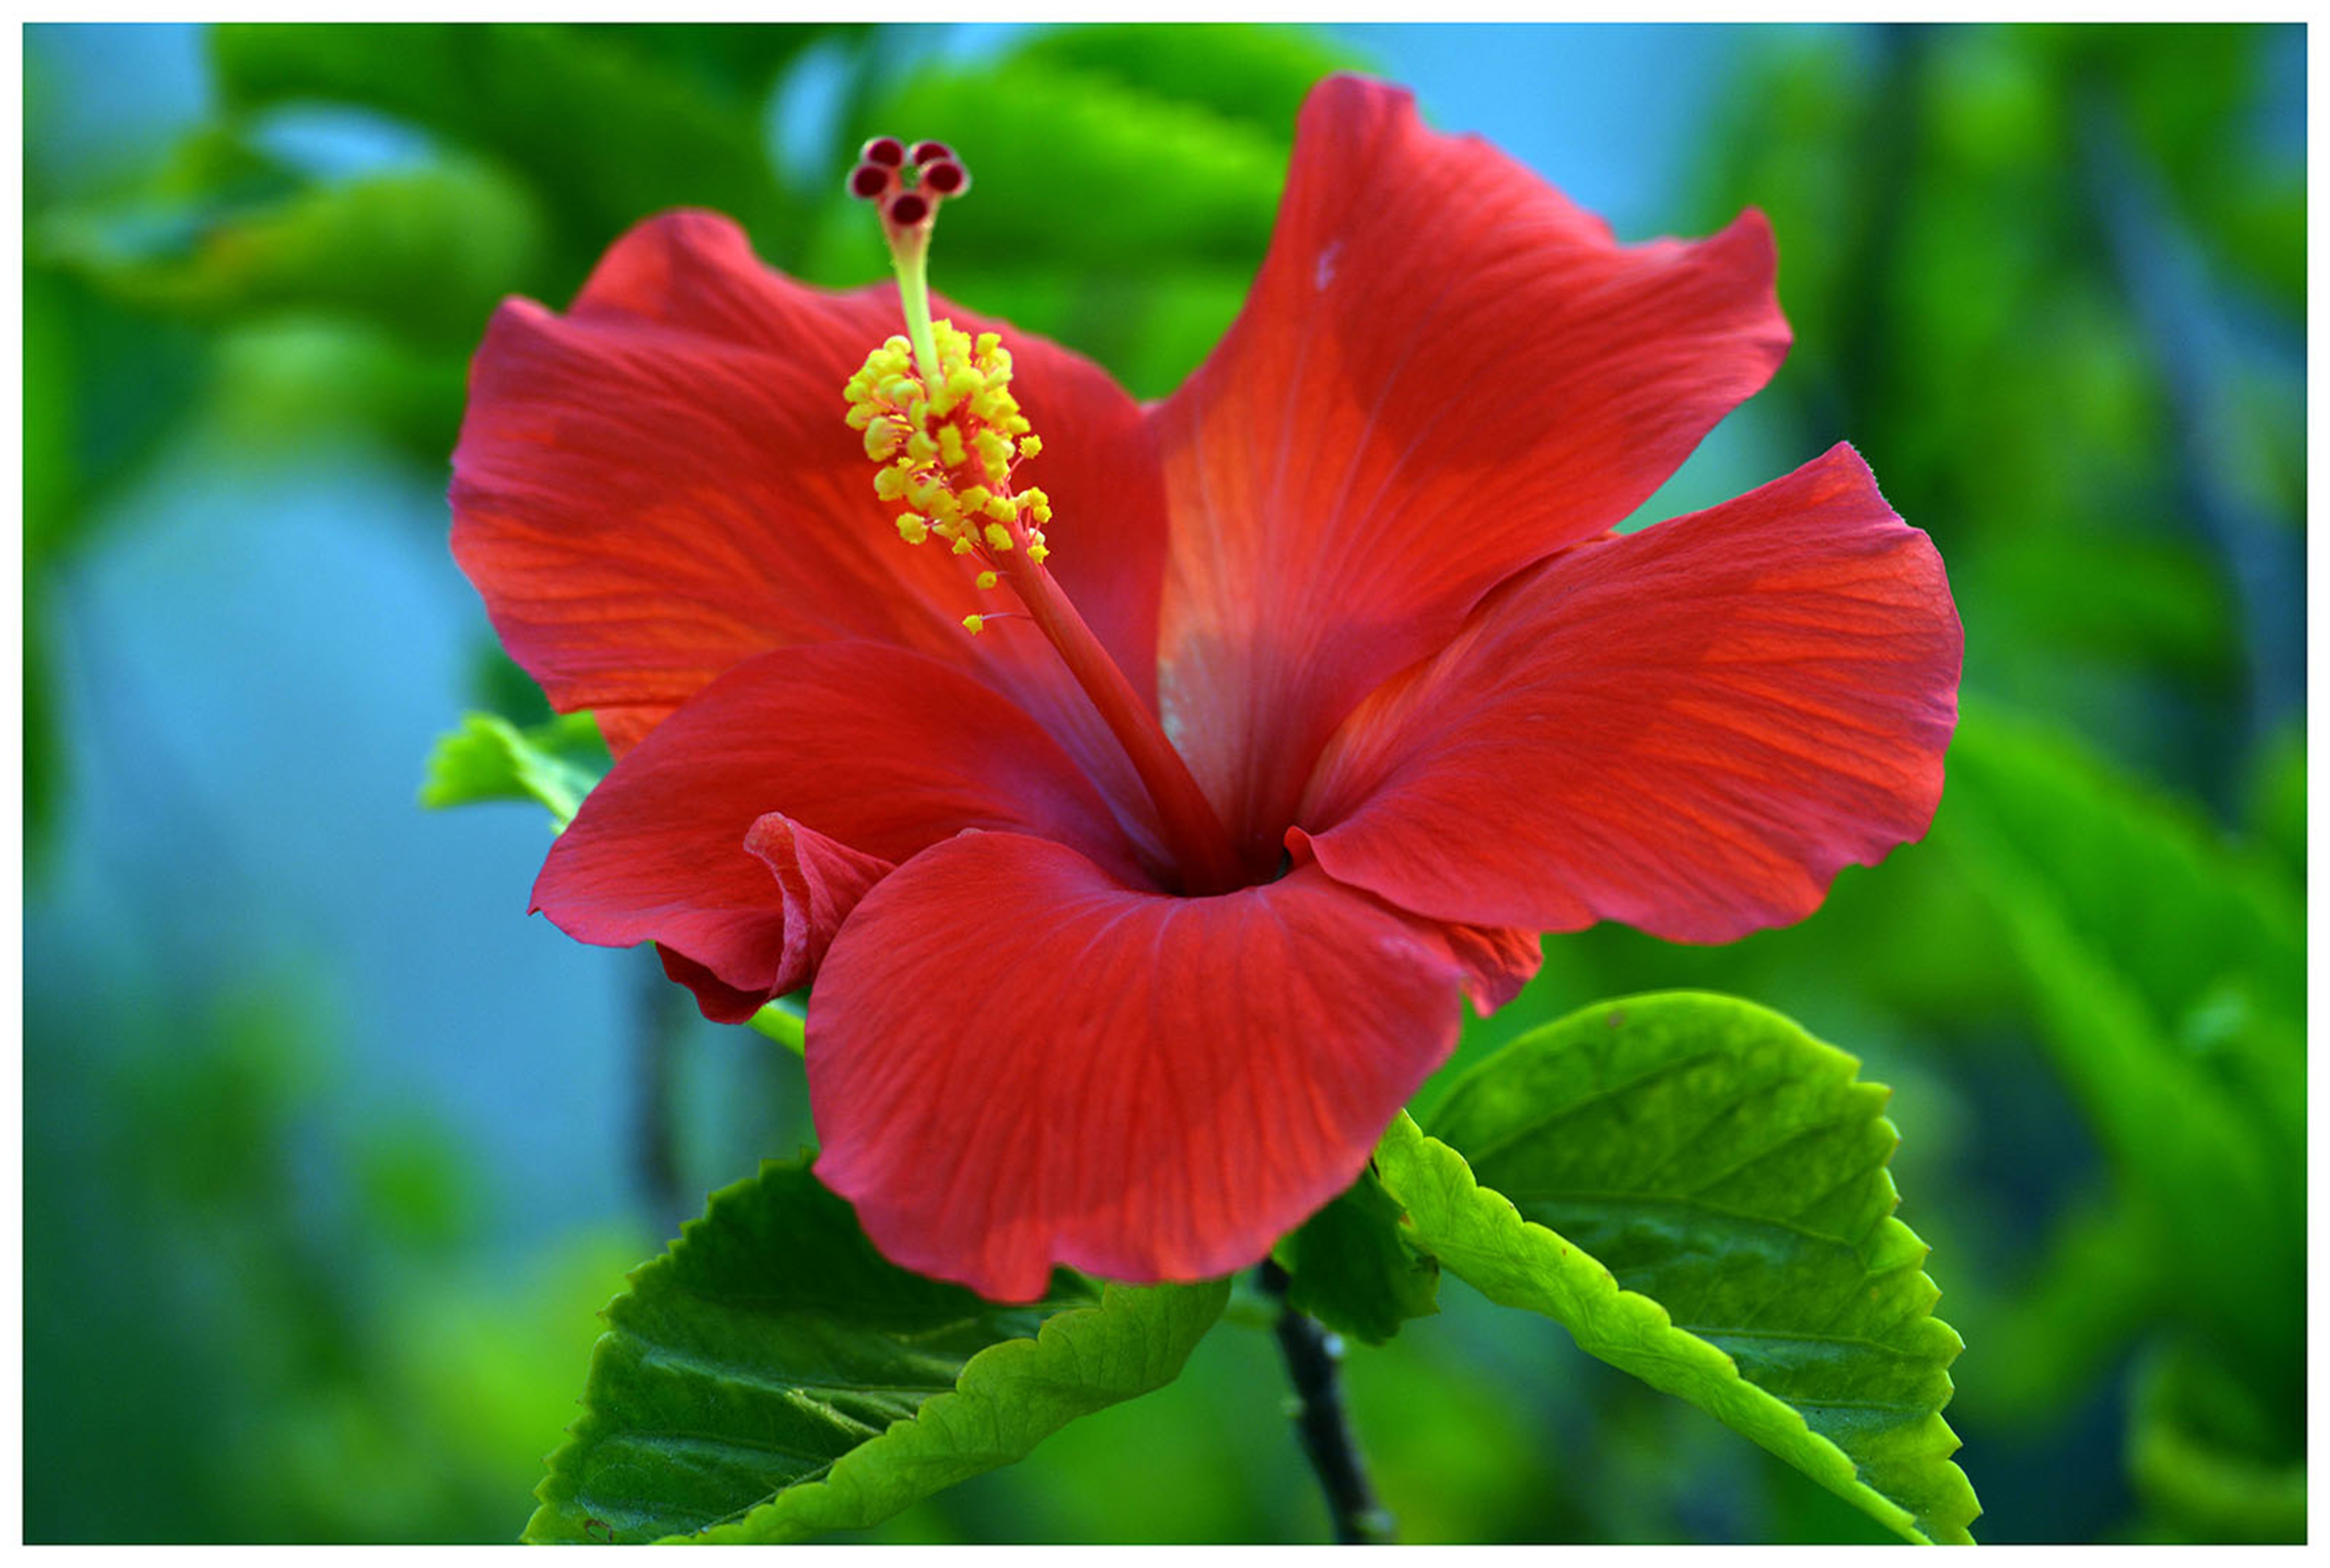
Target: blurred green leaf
487,758
603,124
737,59
2202,1456
103,387
2166,971
1047,143
2277,796
2045,1340
1257,75
1697,1190
772,1377
286,382
1350,1267
2208,934
47,767
426,252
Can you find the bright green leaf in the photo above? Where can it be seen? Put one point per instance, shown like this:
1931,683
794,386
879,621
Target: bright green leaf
488,757
1350,1267
1697,1190
772,1377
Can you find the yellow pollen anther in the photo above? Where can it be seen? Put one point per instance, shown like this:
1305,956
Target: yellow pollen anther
884,437
974,624
1036,553
938,414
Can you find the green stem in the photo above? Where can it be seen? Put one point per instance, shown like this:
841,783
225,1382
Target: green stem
908,257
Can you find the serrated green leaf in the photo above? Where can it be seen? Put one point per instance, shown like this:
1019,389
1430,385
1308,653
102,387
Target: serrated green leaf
772,1377
1350,1267
1696,1189
487,758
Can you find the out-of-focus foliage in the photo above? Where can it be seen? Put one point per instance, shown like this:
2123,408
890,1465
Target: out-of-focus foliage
2050,280
278,1330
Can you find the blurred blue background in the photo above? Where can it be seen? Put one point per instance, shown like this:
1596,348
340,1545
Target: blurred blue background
332,1153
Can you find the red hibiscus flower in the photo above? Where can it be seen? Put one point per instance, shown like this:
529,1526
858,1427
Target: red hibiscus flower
1136,916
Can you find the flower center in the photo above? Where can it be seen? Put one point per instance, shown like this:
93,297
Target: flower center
939,416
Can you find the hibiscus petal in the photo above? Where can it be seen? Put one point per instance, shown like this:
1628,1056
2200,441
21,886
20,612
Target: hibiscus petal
866,754
1017,1061
1689,729
1445,371
659,484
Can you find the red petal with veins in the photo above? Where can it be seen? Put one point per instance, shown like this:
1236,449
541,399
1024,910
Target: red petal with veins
659,484
1444,372
1017,1061
1689,729
867,753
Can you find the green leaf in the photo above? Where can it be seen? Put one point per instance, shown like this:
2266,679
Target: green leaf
1351,1268
488,757
2166,970
605,127
1255,75
772,1377
2212,1465
1696,1189
2159,893
426,252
